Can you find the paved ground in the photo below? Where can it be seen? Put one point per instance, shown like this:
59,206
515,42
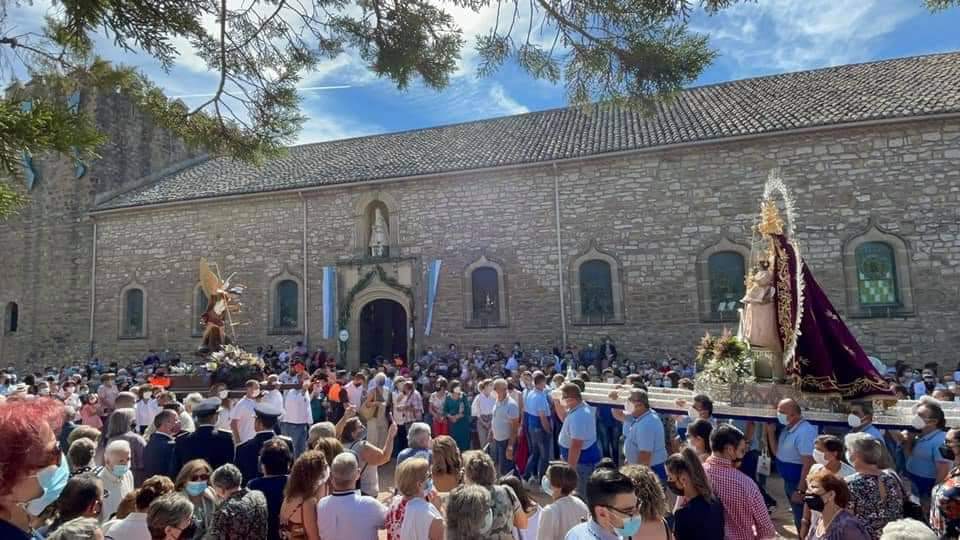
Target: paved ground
781,517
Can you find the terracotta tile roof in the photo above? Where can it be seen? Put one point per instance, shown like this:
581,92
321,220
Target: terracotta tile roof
904,87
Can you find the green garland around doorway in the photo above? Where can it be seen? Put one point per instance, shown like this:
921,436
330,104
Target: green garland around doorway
344,319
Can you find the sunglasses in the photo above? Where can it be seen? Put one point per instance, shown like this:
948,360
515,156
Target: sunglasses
200,478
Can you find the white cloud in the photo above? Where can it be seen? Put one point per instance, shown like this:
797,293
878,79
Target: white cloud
787,35
321,127
505,102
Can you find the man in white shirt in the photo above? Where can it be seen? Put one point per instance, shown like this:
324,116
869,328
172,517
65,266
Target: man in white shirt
242,415
297,417
345,514
506,424
355,391
272,394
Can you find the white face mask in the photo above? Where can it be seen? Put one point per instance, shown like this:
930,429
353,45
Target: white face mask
693,414
819,457
628,407
223,394
147,395
667,383
853,420
918,422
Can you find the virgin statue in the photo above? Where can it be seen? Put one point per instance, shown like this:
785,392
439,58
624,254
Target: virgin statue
788,315
759,323
378,235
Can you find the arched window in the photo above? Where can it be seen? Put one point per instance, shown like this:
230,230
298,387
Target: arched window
486,296
286,305
132,323
726,270
11,318
596,291
876,275
484,291
721,269
876,267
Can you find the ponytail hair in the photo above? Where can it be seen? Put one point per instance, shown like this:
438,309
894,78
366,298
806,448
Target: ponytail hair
687,462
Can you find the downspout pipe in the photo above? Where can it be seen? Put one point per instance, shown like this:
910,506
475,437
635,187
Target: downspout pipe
306,306
556,208
93,288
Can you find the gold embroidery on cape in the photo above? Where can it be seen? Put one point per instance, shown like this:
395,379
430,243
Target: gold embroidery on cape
857,386
784,298
833,316
850,351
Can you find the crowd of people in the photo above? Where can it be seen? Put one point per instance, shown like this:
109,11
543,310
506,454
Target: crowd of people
486,444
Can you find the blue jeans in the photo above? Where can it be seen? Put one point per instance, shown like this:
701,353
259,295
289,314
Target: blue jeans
609,438
540,452
921,486
584,470
504,465
297,432
790,488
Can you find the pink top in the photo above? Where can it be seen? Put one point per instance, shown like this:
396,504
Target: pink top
89,416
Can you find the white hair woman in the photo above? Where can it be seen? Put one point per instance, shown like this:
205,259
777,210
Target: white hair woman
418,439
876,495
186,417
116,476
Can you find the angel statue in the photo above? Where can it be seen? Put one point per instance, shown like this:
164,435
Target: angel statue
221,303
787,310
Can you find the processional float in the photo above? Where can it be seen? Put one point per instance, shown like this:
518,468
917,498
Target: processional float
791,342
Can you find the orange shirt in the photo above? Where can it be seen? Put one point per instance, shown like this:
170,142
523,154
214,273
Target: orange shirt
162,382
334,393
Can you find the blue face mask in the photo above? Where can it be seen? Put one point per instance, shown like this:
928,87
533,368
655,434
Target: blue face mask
52,480
428,486
120,470
782,418
194,489
630,527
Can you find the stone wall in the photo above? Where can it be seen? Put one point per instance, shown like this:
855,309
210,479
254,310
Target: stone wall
654,212
47,247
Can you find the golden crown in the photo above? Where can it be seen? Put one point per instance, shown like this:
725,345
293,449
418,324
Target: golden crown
770,220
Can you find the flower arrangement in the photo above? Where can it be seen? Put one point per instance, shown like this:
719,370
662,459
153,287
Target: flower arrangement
233,357
724,360
233,366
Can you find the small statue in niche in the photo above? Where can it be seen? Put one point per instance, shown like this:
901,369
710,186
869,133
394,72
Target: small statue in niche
379,235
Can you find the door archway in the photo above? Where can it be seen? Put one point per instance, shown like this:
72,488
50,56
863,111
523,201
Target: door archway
383,330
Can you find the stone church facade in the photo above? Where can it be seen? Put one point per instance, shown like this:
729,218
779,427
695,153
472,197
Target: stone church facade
552,227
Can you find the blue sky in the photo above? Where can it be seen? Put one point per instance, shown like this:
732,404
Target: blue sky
762,38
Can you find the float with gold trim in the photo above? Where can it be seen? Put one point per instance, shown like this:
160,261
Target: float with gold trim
791,343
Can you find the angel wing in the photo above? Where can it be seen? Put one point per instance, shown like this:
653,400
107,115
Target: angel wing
209,281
